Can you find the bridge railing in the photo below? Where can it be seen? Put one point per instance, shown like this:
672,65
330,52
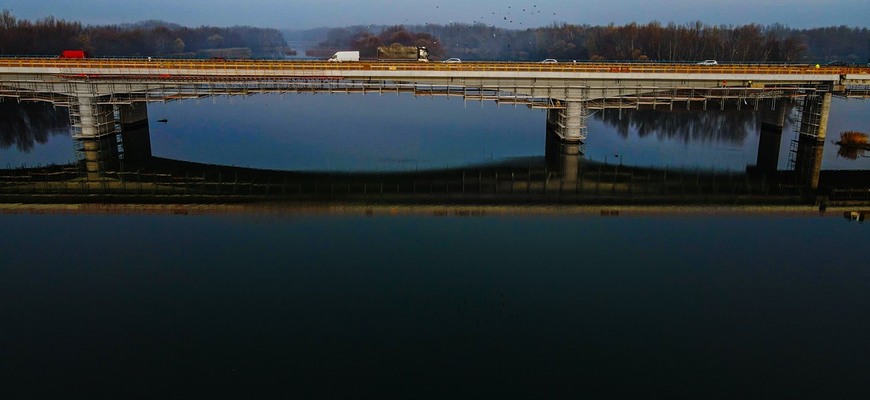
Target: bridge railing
138,65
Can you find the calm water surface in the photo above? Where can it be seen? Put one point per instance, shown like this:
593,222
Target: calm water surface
537,306
416,306
401,132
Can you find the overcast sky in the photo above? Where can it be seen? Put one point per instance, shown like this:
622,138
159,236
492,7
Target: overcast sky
517,14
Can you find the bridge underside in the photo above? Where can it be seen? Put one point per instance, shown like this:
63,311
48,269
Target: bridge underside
598,94
101,107
579,96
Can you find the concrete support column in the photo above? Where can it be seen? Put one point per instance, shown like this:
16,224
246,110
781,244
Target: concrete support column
94,119
135,134
100,155
568,123
770,140
811,139
94,128
575,122
562,157
808,161
773,115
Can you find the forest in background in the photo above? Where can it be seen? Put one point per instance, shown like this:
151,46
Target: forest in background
50,36
652,41
635,42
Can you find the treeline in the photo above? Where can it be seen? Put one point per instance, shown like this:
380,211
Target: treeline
27,123
356,38
729,126
639,42
49,36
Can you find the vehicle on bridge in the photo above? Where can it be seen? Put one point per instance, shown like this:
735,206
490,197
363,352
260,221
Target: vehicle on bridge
398,52
708,62
73,54
549,61
452,61
343,56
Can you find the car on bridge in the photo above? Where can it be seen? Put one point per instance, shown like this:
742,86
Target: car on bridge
453,61
708,62
847,64
549,61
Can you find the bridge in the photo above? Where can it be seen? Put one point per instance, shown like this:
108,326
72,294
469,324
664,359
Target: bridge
106,97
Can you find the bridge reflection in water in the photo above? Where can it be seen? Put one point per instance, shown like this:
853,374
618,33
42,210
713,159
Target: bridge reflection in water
107,98
120,167
562,178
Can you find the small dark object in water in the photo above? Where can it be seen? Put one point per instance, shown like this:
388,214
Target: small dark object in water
162,120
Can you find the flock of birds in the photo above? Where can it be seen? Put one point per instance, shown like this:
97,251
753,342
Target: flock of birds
506,17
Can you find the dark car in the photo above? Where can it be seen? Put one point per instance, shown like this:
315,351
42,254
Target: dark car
837,64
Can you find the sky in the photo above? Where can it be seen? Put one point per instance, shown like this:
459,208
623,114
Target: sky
515,14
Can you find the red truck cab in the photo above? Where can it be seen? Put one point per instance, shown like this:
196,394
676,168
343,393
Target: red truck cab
73,54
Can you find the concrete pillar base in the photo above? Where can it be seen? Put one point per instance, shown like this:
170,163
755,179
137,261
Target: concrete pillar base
135,134
563,157
100,155
568,123
811,140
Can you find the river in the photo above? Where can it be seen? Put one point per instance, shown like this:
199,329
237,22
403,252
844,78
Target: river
372,132
519,302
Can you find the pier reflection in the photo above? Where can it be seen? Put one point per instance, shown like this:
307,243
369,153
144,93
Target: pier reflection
729,125
119,166
520,181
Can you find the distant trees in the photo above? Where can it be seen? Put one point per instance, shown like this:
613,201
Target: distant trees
178,45
650,41
367,43
49,36
838,43
640,42
27,123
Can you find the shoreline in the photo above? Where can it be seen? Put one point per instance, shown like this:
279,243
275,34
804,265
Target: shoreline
386,209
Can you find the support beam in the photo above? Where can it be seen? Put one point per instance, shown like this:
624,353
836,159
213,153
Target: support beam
89,119
100,155
563,157
568,123
770,139
93,126
811,139
135,134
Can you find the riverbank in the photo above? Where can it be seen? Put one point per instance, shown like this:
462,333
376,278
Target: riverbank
301,208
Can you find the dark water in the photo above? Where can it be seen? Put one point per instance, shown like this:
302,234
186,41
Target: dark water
401,132
417,306
391,132
408,306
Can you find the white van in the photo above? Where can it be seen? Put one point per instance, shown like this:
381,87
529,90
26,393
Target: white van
342,56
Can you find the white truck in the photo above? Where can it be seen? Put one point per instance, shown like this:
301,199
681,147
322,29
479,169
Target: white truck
343,56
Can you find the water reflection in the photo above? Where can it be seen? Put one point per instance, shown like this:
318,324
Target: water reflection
732,126
852,145
851,152
401,133
24,125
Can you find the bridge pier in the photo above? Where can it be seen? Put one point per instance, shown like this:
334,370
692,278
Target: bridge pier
93,129
770,139
811,139
135,134
563,157
569,123
109,137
